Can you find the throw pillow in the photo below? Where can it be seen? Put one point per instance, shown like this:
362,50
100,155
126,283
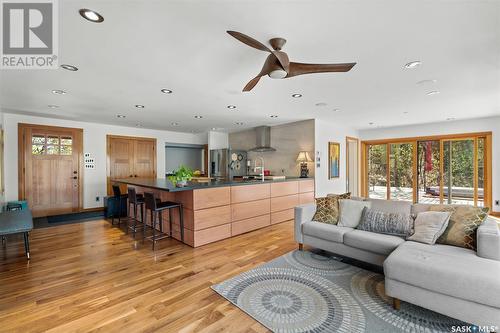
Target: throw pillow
462,228
395,224
336,203
325,211
351,211
429,226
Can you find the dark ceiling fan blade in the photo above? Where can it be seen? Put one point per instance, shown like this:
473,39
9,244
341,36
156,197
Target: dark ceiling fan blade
252,83
297,68
249,41
268,66
283,59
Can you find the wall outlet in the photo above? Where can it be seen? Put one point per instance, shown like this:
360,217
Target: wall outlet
97,198
497,202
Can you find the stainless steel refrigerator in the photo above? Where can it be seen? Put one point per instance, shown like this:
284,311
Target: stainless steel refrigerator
226,163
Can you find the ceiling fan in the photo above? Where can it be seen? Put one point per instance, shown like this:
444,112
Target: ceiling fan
277,65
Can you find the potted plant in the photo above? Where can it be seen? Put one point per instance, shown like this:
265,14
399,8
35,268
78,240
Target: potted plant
181,176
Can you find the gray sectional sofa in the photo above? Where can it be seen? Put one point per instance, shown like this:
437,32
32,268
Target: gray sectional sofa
457,282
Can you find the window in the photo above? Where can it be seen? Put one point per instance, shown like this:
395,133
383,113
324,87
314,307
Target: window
450,170
51,145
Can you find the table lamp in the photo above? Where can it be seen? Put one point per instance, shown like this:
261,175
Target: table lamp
303,158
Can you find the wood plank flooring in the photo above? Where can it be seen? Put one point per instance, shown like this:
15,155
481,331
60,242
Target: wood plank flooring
92,277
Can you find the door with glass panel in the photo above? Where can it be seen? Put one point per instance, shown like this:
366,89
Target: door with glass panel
50,172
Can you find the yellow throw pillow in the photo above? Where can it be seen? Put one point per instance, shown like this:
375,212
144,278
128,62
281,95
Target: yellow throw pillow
463,224
327,208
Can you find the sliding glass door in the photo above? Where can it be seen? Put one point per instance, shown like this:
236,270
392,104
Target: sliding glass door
430,170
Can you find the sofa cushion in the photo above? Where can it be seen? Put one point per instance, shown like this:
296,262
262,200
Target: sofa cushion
429,226
447,270
373,242
351,211
463,224
325,231
327,208
395,224
391,206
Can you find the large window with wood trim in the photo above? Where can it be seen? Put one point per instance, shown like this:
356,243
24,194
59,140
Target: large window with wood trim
451,169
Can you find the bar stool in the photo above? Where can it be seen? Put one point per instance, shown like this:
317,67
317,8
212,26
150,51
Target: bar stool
118,197
136,200
156,207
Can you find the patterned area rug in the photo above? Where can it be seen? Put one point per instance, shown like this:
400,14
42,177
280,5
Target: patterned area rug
304,291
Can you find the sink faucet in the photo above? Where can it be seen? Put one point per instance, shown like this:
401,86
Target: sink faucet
261,167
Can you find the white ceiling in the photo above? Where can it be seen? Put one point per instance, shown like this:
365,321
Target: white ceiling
144,46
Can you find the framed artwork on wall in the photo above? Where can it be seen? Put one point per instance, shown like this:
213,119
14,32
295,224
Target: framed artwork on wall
333,160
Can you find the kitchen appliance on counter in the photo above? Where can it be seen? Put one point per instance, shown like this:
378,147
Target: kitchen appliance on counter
226,163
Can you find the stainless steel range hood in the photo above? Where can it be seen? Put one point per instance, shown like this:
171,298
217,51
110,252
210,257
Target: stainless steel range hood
263,134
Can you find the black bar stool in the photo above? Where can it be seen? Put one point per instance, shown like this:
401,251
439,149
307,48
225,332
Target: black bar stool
136,200
156,207
118,198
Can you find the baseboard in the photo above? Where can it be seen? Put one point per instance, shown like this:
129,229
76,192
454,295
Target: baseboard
87,210
495,214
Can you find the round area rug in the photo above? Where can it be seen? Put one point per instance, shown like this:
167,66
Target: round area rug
368,289
290,300
318,264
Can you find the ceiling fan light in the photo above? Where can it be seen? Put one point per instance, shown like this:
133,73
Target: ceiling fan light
278,74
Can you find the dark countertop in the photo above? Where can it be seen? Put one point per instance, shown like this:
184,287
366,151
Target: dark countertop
166,185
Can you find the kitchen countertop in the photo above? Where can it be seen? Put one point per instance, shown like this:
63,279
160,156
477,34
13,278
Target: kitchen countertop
166,185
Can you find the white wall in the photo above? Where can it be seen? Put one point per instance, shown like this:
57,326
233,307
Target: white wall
217,140
94,142
450,127
330,132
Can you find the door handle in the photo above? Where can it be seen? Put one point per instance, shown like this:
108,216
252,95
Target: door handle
131,176
75,177
75,172
135,175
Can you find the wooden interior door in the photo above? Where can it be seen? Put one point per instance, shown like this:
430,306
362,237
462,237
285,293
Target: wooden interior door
50,169
145,158
130,157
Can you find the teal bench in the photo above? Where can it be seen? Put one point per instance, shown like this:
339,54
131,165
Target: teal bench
17,222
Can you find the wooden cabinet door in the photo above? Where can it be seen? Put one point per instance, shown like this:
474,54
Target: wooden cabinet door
51,159
144,158
121,160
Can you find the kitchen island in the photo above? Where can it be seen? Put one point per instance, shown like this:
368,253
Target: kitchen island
218,210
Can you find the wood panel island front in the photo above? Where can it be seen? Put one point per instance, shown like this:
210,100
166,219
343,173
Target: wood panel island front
221,209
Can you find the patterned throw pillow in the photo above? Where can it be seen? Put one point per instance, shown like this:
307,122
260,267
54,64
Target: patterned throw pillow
462,228
336,203
395,224
327,208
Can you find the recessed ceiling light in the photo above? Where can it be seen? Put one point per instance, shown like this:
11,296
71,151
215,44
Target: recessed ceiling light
52,106
58,92
427,81
297,95
413,64
405,112
239,123
336,110
198,117
371,123
121,116
138,125
139,106
451,118
174,124
69,67
231,106
213,128
321,104
434,92
166,91
273,116
91,15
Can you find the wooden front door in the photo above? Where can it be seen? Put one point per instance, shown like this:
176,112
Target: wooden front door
50,169
130,157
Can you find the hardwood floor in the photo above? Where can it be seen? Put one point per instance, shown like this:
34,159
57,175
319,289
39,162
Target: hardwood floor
93,277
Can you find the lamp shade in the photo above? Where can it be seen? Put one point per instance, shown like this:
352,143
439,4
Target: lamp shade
304,157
